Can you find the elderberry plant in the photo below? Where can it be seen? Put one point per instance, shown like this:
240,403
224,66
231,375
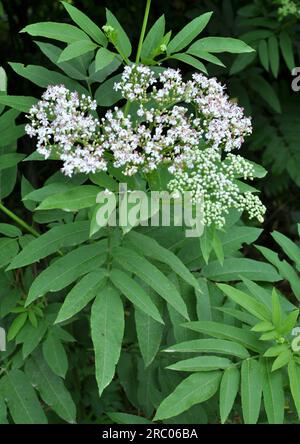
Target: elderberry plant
95,315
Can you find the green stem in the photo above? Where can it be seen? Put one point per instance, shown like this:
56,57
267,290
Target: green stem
19,221
139,50
143,31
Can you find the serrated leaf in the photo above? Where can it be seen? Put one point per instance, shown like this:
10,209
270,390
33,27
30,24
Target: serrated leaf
135,293
152,276
67,235
51,388
228,390
76,199
273,394
195,389
189,33
67,269
251,390
57,31
210,346
76,49
86,24
21,399
107,327
81,294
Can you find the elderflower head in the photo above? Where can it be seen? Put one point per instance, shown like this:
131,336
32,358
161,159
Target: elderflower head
191,126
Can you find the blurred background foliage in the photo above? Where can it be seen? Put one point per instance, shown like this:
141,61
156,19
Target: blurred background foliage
260,81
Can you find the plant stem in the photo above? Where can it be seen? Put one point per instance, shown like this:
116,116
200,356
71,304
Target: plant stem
19,221
143,31
139,50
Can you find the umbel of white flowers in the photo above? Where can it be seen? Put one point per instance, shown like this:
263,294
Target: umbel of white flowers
191,126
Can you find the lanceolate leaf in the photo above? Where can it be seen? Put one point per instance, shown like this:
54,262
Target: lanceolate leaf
55,355
193,390
107,327
228,391
20,103
76,49
152,276
67,269
201,363
80,197
294,377
189,33
228,332
221,44
135,293
81,294
51,388
67,235
153,38
273,394
21,399
149,333
251,385
56,31
86,24
210,346
151,248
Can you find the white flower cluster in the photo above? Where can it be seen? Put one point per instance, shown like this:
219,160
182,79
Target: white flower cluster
191,126
63,125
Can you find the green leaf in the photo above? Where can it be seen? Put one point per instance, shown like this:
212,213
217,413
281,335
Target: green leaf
20,103
83,196
123,43
294,378
81,294
289,247
107,327
105,95
152,276
16,326
151,248
188,33
58,237
221,44
206,244
228,390
266,91
126,418
51,388
228,332
43,77
233,268
247,302
274,55
210,346
201,364
21,399
86,24
74,68
251,390
55,355
264,54
189,60
10,160
205,56
10,230
104,57
56,31
149,334
31,337
195,389
67,269
218,248
135,293
241,62
153,38
282,359
76,49
273,394
8,249
286,46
